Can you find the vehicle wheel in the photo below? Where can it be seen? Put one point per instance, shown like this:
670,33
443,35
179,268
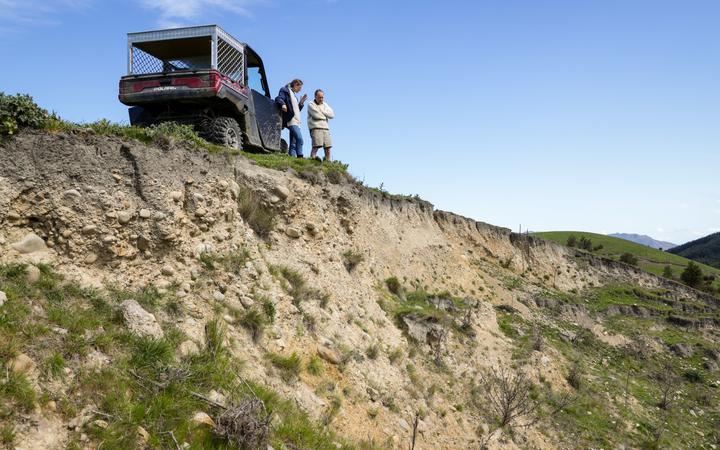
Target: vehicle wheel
225,131
283,146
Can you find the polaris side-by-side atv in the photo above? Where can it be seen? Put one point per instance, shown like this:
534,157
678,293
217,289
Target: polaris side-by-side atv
203,77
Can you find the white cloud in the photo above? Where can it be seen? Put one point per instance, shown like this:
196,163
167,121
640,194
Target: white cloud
660,229
174,13
16,15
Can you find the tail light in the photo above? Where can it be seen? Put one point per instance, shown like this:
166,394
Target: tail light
207,80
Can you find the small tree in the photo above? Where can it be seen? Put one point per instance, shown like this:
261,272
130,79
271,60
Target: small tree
668,272
537,338
692,275
571,241
629,258
574,376
668,384
508,394
585,243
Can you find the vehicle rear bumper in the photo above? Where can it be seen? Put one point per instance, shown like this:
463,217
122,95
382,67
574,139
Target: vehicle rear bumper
163,94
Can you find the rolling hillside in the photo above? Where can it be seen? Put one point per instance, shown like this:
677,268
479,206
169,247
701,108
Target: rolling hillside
705,250
650,259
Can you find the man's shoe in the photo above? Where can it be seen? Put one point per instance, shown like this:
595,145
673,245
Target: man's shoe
317,158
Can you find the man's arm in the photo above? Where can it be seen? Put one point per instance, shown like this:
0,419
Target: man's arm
314,112
280,101
328,111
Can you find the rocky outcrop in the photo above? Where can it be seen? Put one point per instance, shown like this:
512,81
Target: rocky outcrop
117,213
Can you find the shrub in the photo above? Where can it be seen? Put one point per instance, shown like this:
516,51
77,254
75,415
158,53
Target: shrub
571,241
692,275
668,272
394,286
352,259
269,309
246,425
507,395
260,218
693,376
585,243
20,111
629,258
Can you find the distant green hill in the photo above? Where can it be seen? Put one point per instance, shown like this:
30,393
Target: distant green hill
705,250
649,259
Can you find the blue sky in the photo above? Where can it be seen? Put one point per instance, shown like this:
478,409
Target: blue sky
587,115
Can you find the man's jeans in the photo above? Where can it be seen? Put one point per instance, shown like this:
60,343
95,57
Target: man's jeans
296,141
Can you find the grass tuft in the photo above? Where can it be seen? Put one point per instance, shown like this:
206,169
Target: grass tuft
259,217
289,366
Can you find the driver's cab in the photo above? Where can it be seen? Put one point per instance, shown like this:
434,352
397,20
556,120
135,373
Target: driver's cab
256,79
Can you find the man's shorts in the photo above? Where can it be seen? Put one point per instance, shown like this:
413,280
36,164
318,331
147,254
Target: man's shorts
321,138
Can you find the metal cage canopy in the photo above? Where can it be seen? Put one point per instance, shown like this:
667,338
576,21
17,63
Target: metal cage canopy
201,47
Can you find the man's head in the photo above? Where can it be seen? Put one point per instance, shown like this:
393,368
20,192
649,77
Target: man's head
296,85
319,96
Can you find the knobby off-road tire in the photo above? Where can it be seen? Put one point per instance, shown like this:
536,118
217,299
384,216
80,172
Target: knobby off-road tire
225,131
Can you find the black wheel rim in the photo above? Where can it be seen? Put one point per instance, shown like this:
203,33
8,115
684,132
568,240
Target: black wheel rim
232,138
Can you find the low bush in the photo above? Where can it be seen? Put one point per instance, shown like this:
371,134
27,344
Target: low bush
20,111
629,258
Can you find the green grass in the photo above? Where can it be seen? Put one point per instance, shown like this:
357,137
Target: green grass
295,284
146,383
258,216
254,320
315,366
289,366
335,171
649,259
600,299
599,416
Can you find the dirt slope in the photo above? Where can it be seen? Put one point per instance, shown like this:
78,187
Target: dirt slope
118,213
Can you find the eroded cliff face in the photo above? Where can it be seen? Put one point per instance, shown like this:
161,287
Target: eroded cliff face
105,212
